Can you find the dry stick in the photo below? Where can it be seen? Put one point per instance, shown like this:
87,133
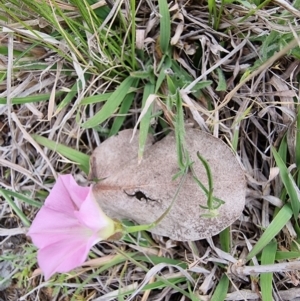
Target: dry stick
19,169
9,81
262,68
188,89
114,9
34,143
288,7
13,231
146,293
9,97
268,268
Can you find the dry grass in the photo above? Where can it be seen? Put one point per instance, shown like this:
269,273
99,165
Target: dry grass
259,114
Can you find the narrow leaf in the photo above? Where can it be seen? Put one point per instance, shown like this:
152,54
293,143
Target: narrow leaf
15,208
225,239
298,140
95,98
165,25
288,183
222,81
29,99
274,228
284,255
21,197
78,157
221,289
68,98
124,108
268,257
111,104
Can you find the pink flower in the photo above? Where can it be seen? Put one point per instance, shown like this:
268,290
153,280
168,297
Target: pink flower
67,226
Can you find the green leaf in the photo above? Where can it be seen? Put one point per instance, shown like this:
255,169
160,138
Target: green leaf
235,138
22,198
210,181
298,139
171,86
124,108
222,86
77,157
111,104
29,99
201,85
183,158
102,11
165,26
225,239
274,228
284,255
161,77
212,9
166,64
221,289
283,149
288,182
95,98
267,257
15,208
147,74
69,97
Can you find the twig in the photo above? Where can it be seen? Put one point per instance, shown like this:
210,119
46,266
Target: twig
238,270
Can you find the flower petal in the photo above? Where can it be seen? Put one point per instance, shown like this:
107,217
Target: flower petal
67,226
92,216
66,195
51,226
77,193
64,256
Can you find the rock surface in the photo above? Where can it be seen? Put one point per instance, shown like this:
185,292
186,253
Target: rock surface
142,192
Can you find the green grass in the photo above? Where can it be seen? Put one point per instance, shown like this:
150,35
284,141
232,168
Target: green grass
105,84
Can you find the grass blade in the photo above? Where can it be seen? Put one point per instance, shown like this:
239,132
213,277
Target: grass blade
288,183
111,104
22,198
165,26
29,99
298,139
68,98
95,98
284,255
225,239
221,289
15,208
222,86
276,225
78,157
124,108
283,148
268,257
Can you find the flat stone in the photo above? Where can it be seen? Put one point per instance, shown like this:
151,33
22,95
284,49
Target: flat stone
142,192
